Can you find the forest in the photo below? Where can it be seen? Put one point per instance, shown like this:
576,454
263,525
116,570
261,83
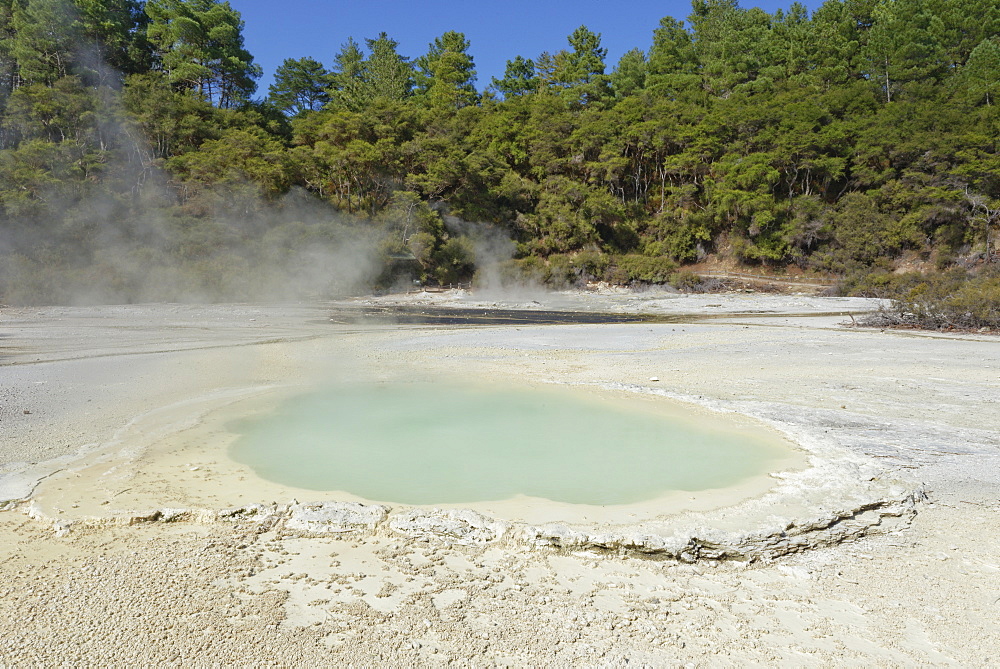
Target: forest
139,162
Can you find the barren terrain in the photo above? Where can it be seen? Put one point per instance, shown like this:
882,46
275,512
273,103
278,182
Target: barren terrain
130,536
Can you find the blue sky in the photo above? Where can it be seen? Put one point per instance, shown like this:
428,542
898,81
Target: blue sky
498,31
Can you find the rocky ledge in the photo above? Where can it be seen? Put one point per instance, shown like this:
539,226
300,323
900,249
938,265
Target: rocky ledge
468,527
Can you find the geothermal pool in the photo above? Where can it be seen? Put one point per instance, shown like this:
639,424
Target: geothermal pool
438,443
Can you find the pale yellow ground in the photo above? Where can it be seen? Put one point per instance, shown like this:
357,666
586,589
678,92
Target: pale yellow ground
92,396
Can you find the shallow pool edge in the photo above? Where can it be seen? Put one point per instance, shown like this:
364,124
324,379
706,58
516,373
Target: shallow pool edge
841,495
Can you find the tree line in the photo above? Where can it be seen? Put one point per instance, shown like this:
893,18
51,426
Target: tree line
838,141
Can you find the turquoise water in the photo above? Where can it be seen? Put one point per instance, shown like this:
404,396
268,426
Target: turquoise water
440,444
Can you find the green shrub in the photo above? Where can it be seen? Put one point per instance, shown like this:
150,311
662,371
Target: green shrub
530,269
559,270
955,299
634,268
454,261
880,283
686,282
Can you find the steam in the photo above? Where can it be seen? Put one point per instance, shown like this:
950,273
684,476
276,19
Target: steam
94,250
493,249
124,234
135,239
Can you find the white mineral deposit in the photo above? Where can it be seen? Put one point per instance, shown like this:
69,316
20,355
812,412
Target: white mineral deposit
132,532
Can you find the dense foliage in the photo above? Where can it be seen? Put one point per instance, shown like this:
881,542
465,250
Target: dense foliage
135,164
954,299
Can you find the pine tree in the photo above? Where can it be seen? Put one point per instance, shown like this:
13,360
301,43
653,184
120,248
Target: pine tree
45,38
388,75
672,67
300,86
629,76
581,71
518,78
447,73
199,44
347,80
980,78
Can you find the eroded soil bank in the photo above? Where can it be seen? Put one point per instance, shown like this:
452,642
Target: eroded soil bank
121,410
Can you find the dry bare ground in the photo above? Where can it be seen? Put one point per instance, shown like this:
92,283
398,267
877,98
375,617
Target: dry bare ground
113,405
